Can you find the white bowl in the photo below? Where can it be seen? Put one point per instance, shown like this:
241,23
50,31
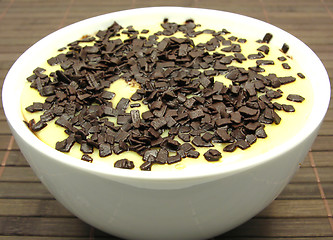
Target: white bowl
164,205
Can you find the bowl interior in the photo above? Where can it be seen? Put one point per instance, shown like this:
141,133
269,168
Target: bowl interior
143,18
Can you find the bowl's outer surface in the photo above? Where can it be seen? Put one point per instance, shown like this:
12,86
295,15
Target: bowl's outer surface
161,205
187,209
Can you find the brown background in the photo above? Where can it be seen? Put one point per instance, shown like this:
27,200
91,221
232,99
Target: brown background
27,209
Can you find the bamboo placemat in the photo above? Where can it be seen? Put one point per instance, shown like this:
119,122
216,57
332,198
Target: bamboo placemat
28,211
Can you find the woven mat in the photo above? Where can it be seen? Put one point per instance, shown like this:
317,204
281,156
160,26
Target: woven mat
302,211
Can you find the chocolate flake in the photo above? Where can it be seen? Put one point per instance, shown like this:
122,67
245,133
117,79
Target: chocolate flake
267,38
288,108
199,142
174,159
35,107
86,158
285,48
105,149
122,104
66,144
295,98
242,144
146,166
212,155
124,163
286,66
193,154
230,148
35,127
301,75
264,48
162,156
135,115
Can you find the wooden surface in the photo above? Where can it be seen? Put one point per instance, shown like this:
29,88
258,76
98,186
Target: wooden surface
302,211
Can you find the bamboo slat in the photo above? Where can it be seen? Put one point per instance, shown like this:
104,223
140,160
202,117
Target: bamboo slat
301,212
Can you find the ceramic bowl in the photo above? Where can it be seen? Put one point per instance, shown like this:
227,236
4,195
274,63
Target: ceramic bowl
162,205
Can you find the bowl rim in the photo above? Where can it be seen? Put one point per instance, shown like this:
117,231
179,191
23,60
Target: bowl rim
28,137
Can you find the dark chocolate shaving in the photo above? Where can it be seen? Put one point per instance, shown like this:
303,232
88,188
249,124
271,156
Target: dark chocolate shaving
267,38
295,98
285,48
87,158
124,163
212,155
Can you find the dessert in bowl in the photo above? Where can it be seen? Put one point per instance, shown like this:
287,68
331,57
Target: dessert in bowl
179,200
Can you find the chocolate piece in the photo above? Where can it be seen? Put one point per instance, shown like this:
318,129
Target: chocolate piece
207,136
66,144
108,95
267,38
172,144
146,166
286,66
261,133
223,134
252,126
122,104
150,153
105,149
264,48
199,142
295,98
277,106
47,116
147,115
170,122
123,119
174,159
264,62
271,94
193,154
256,56
158,123
134,105
282,59
186,147
242,144
212,155
35,127
242,40
230,148
301,75
86,148
135,115
124,163
251,138
35,107
247,111
236,117
184,136
121,135
136,97
285,80
276,118
189,103
162,156
86,158
288,108
285,48
196,114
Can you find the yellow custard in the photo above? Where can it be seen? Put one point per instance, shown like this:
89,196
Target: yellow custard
290,124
